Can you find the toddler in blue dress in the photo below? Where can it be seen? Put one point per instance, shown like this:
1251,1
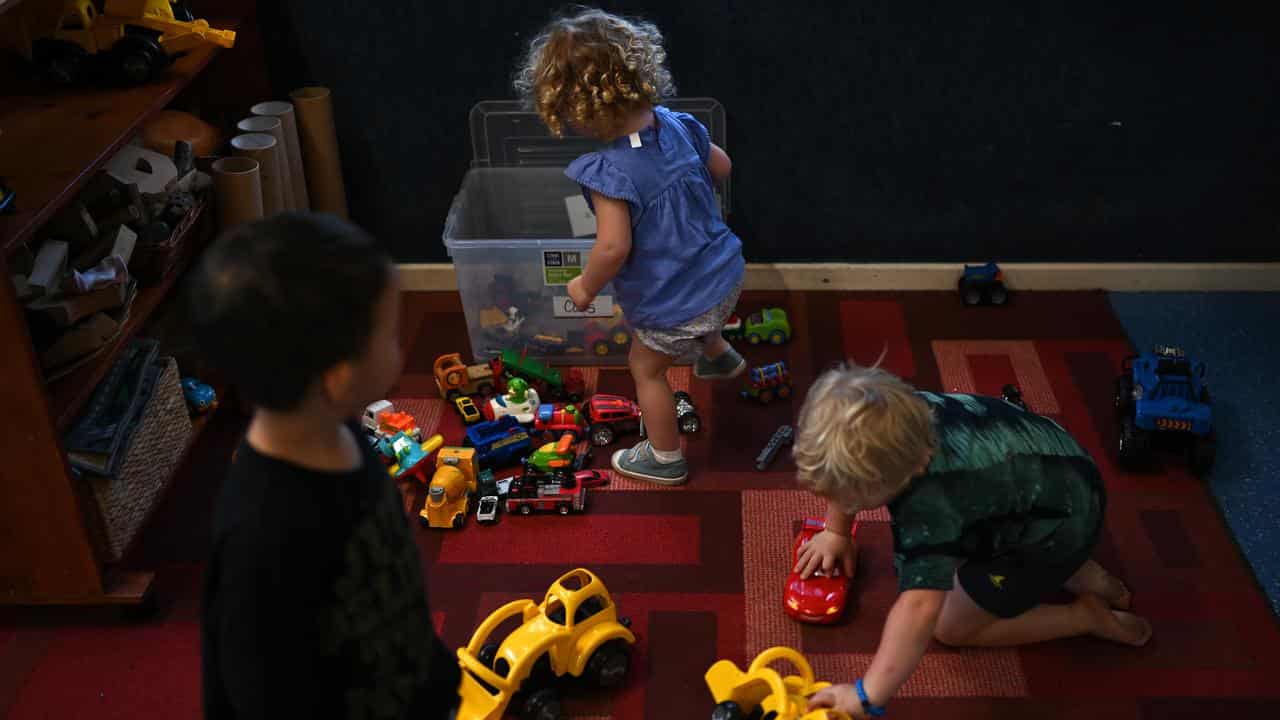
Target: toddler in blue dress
676,267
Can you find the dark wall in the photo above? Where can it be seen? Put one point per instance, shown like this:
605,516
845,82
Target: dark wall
869,130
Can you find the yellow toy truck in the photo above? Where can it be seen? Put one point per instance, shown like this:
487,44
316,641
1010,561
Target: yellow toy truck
451,489
128,41
761,692
574,632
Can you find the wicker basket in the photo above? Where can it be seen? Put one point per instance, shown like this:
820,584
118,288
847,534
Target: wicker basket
154,451
152,262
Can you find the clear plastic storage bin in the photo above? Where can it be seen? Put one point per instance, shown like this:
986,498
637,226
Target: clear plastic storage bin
518,230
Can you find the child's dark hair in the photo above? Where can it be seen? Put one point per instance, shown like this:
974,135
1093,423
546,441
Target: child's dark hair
276,302
592,69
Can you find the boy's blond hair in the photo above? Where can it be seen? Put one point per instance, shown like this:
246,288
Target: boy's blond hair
863,433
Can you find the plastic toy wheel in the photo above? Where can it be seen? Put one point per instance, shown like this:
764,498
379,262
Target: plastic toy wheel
754,338
607,667
728,711
766,396
970,293
526,510
601,435
601,348
997,294
784,391
690,424
457,521
1133,443
1202,453
621,338
541,705
423,521
562,509
777,337
136,58
488,653
1124,393
59,60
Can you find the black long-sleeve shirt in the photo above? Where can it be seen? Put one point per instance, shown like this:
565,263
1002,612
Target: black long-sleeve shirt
314,600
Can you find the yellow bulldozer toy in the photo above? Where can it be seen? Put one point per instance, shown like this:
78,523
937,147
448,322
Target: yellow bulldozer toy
761,692
129,41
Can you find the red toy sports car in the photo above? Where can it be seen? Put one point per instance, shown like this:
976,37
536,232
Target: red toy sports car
819,599
591,478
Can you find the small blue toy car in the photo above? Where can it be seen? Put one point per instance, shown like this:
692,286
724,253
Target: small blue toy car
1162,394
200,397
983,284
499,443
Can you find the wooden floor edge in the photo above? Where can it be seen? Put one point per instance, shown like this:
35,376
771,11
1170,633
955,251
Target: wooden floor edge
1130,277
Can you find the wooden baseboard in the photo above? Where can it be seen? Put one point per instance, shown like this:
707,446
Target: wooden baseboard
1151,277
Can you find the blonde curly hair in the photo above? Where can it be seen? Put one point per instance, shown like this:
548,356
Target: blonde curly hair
863,433
592,70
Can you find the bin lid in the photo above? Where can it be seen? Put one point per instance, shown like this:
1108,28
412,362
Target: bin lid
506,134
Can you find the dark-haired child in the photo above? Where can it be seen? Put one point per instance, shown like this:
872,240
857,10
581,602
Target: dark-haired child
314,600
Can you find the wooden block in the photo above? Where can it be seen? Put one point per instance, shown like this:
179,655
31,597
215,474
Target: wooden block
22,289
80,340
74,224
50,263
66,310
124,243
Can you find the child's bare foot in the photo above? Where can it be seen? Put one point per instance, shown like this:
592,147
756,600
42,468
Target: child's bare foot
1093,579
1114,625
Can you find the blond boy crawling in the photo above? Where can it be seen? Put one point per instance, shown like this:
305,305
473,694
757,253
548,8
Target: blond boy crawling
994,509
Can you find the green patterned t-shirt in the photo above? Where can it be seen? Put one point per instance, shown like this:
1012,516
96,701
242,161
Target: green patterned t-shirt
1002,481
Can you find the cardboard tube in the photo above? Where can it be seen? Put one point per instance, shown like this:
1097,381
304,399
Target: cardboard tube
319,140
297,172
262,148
238,190
273,127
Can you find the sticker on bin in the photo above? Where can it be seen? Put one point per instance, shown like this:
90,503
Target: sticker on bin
561,266
582,222
563,307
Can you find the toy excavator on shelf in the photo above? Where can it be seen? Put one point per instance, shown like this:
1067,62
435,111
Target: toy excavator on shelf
129,41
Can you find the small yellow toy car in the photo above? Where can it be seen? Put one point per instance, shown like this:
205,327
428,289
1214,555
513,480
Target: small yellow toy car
467,409
761,692
575,632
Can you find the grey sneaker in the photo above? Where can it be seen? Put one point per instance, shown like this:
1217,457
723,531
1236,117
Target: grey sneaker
729,365
638,462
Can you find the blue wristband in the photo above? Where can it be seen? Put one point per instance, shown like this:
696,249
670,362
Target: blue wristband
872,710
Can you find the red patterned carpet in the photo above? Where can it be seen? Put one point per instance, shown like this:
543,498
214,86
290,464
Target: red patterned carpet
700,568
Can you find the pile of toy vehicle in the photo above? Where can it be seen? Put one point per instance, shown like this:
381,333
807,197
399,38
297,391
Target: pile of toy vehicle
521,416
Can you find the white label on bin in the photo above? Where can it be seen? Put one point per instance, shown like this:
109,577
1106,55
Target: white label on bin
582,221
562,306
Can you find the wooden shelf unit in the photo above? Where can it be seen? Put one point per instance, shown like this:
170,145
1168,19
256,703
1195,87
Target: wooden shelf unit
53,144
50,144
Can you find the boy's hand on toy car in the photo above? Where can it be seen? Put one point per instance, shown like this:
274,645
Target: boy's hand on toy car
825,552
579,295
838,697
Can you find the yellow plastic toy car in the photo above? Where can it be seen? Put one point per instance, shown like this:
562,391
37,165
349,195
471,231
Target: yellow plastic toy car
574,632
761,692
467,409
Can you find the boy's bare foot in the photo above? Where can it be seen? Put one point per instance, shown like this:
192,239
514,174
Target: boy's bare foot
1114,625
1093,579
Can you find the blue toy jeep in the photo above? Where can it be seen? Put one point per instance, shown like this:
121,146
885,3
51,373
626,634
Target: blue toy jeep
1162,395
499,443
983,285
